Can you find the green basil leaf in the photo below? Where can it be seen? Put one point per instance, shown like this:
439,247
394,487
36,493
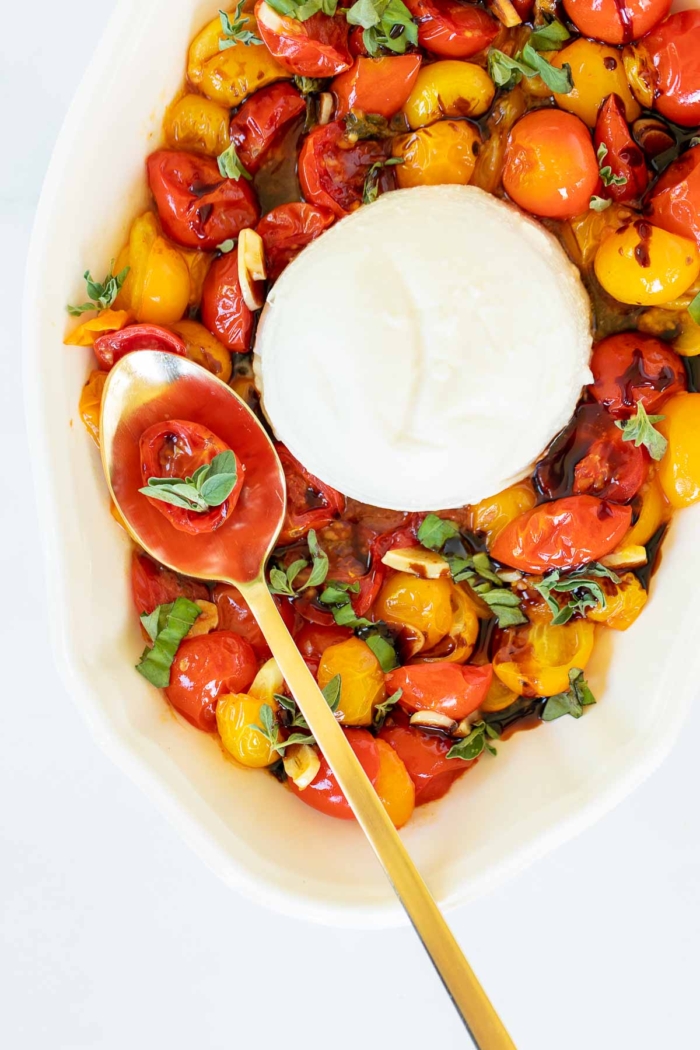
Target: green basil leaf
216,490
279,583
505,71
154,622
234,29
557,80
383,650
382,710
319,568
640,430
155,663
230,166
694,309
434,532
335,593
505,605
332,691
550,37
571,702
471,746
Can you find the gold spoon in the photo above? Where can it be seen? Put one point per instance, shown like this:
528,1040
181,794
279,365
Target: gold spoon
149,387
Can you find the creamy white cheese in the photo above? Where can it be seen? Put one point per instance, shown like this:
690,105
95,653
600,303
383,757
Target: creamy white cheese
423,352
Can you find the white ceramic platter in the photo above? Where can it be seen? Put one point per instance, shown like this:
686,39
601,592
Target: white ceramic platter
543,788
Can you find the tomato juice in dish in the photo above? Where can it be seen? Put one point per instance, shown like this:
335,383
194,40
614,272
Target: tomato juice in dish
433,634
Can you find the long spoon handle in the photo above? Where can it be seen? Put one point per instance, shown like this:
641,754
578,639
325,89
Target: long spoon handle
472,1003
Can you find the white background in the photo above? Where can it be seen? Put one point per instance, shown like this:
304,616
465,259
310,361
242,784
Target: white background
113,933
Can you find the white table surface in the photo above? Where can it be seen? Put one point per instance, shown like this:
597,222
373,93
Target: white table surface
115,935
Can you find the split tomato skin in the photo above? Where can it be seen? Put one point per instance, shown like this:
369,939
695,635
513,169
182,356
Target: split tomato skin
425,757
235,615
632,367
197,207
563,534
153,585
310,503
616,23
317,47
375,85
262,119
112,346
624,156
332,171
450,689
675,201
451,29
324,794
674,50
224,311
206,667
287,229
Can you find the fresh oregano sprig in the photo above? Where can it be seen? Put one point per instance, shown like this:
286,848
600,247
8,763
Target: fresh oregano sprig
640,429
230,166
370,190
102,294
233,28
210,485
478,740
270,727
282,581
506,71
572,701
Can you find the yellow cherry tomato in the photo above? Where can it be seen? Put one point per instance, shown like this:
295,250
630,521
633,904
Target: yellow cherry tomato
361,676
439,155
237,714
654,511
394,786
196,123
105,321
448,89
458,644
642,265
499,696
157,287
198,264
491,515
424,605
535,660
679,470
597,71
229,76
91,402
623,603
204,348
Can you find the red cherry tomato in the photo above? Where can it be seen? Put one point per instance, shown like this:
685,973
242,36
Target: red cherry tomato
235,615
175,449
287,229
332,170
425,757
317,47
564,534
110,347
205,668
550,165
452,29
675,201
376,85
524,8
324,794
224,311
356,42
631,367
674,49
591,457
454,690
196,206
313,639
152,584
624,156
310,503
371,583
261,119
616,21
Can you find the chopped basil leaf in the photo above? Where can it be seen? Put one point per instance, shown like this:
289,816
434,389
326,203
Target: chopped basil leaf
337,596
505,605
573,701
230,166
640,430
382,649
477,570
319,567
694,309
155,663
478,740
382,710
302,12
210,485
557,80
506,71
282,582
387,24
586,592
599,203
550,37
332,692
234,29
102,295
434,532
337,593
270,727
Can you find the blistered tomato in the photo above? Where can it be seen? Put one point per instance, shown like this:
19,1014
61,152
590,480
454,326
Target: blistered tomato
425,757
375,85
679,469
152,585
332,169
224,310
197,123
642,265
237,715
324,794
674,50
448,89
453,690
491,515
287,229
535,660
423,605
624,157
362,680
205,668
624,602
597,72
630,367
261,120
204,348
310,503
112,346
317,47
394,785
616,23
157,286
450,29
675,201
438,155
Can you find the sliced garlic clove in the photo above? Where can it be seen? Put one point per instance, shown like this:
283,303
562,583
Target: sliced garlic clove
267,682
208,619
325,107
251,268
301,764
625,558
433,720
418,562
466,725
505,12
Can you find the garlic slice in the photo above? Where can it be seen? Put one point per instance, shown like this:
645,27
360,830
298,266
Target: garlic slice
208,619
505,12
433,720
625,558
325,107
267,682
251,268
418,562
301,764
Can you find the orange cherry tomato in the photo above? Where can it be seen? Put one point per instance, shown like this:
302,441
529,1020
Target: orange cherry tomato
624,157
152,584
674,49
317,47
287,229
613,21
323,793
451,29
550,164
375,85
111,346
313,639
310,503
450,689
197,207
425,757
675,201
631,367
261,120
224,311
394,785
176,449
205,668
591,457
563,534
235,615
332,170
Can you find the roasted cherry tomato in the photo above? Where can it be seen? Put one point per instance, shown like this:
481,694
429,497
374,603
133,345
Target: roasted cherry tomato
591,457
421,605
324,794
205,668
361,676
624,157
261,120
675,200
550,164
237,716
443,153
176,449
453,690
197,207
158,286
287,229
394,785
224,311
631,367
491,515
451,29
152,584
535,660
615,22
310,503
597,71
448,88
235,615
624,602
332,169
674,50
313,639
563,534
90,404
679,470
425,757
197,123
375,85
204,348
643,265
111,347
317,47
